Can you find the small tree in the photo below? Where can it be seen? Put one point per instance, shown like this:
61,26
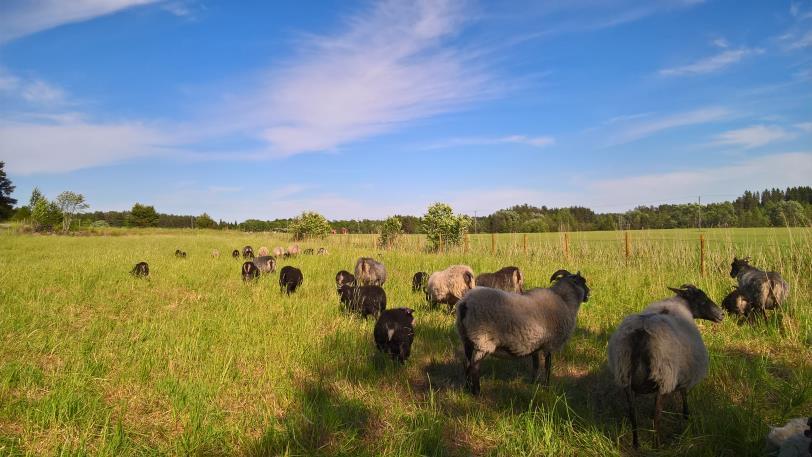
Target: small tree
45,215
6,188
204,221
309,224
35,196
21,214
70,203
142,216
392,230
441,223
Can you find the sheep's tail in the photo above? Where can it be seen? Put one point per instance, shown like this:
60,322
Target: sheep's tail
462,311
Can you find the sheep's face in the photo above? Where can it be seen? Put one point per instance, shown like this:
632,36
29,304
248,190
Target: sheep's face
235,253
580,281
738,265
701,306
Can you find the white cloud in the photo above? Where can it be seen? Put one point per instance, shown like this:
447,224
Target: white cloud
720,43
804,126
533,141
638,130
753,136
711,64
801,42
38,91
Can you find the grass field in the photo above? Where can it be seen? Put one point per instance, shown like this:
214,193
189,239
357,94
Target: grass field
193,361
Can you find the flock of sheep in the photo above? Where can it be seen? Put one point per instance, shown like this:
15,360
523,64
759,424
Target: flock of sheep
656,351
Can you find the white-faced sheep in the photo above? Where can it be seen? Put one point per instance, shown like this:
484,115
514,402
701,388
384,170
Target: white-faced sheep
215,253
365,300
290,278
762,289
343,278
278,251
249,271
370,272
660,350
263,251
794,439
266,263
509,279
247,252
140,270
449,285
394,333
536,323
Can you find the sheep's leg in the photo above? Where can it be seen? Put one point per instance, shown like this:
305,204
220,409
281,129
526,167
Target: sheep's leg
658,408
536,357
632,416
548,367
472,373
684,393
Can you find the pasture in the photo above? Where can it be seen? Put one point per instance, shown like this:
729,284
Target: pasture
194,361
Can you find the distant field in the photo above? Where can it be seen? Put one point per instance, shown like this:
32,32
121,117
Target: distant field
193,361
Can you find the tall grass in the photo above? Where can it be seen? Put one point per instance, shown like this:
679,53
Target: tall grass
193,361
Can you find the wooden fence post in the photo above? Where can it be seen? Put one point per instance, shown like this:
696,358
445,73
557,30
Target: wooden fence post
493,243
566,245
627,245
525,245
465,246
702,254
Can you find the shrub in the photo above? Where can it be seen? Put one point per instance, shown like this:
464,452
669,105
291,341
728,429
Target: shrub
309,224
440,223
45,215
392,230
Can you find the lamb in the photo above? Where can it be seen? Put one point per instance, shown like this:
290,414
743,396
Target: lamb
293,250
370,272
366,300
762,289
308,251
290,278
660,350
419,281
249,271
265,263
344,277
247,252
449,285
278,251
215,253
794,439
180,254
140,270
536,323
509,279
322,251
736,303
263,251
235,253
394,333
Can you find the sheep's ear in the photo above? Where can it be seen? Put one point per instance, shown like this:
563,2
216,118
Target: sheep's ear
559,274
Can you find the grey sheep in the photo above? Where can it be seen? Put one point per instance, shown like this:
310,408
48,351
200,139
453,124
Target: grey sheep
736,303
265,263
660,350
263,251
278,251
322,251
344,278
536,323
293,250
449,285
509,279
794,439
140,270
762,289
370,272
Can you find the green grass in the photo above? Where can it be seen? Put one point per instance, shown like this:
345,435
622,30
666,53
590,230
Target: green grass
193,361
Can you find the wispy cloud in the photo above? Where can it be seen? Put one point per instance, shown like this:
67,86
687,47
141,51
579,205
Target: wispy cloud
35,91
804,126
753,136
711,64
533,141
634,131
24,17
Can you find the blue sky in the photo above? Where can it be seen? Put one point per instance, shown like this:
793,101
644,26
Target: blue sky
262,110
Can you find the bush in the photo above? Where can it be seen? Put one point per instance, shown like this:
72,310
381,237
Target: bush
440,223
45,215
309,225
392,230
142,216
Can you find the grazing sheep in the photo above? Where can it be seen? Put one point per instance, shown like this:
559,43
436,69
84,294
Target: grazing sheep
180,254
278,251
265,263
449,285
215,253
247,252
322,251
263,251
366,300
293,250
394,333
370,272
660,350
536,323
419,281
509,279
235,253
762,289
791,440
249,271
343,278
140,270
736,303
308,251
290,278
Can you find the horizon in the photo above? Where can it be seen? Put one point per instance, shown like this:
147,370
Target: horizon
257,111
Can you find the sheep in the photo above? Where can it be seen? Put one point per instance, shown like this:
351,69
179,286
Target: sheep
235,253
344,277
660,350
509,279
370,272
419,281
762,289
308,251
266,263
736,303
449,285
249,271
140,270
215,253
278,251
180,254
263,251
247,252
536,323
366,300
794,439
290,278
322,251
394,333
293,250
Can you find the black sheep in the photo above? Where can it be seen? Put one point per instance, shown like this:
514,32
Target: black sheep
248,252
394,333
419,281
290,278
180,254
736,303
308,251
250,271
343,278
140,270
365,300
235,253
